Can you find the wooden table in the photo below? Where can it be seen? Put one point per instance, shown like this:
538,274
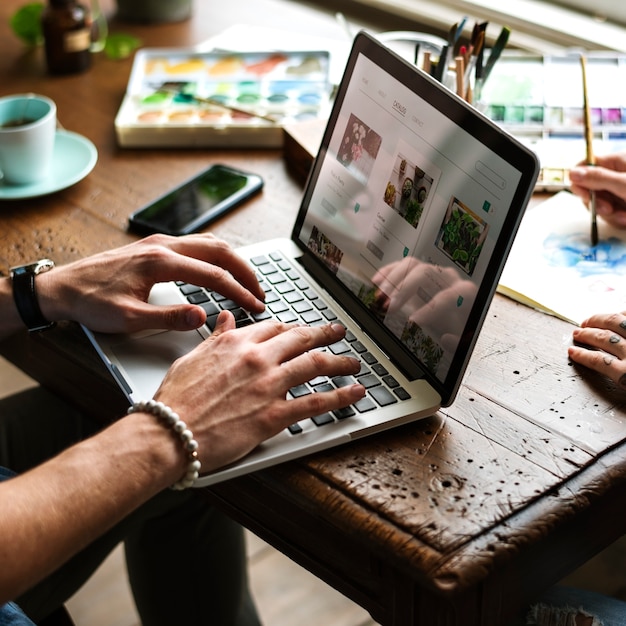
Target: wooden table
458,519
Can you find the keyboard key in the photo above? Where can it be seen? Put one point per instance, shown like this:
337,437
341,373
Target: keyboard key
380,369
240,314
295,429
301,307
364,405
211,321
210,308
383,396
318,380
271,296
288,317
340,347
369,380
322,420
342,414
198,298
299,390
364,370
229,305
369,358
402,393
278,307
274,279
324,387
390,381
292,274
268,269
295,296
259,317
343,381
259,260
284,287
187,289
310,317
357,346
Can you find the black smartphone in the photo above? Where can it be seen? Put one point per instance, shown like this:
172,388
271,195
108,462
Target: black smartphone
197,202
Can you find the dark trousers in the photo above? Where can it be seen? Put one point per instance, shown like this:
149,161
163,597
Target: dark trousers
186,560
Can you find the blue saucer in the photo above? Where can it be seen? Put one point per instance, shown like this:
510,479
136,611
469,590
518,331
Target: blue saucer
74,157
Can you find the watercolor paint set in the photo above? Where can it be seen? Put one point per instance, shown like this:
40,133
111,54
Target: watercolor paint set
183,98
539,99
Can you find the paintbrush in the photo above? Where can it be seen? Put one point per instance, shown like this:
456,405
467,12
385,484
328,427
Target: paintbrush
589,146
218,103
496,51
471,65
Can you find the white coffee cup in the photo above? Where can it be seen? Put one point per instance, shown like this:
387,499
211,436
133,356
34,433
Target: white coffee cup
27,132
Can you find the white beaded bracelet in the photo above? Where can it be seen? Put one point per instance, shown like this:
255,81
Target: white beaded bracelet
172,419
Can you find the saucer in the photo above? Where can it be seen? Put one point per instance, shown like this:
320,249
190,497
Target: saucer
74,157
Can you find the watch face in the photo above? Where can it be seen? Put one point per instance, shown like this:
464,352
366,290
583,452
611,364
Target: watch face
37,267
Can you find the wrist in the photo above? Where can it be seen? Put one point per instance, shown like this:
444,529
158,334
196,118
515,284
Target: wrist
152,453
171,420
24,288
50,300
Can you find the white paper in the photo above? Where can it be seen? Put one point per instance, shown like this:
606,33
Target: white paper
553,266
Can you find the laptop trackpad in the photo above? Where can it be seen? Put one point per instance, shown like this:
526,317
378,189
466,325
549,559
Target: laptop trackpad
144,361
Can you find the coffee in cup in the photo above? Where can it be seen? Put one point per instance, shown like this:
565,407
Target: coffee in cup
27,132
18,121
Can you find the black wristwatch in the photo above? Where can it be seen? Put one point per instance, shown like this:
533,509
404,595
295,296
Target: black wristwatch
25,296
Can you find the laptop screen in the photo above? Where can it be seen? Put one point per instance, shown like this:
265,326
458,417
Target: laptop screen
410,211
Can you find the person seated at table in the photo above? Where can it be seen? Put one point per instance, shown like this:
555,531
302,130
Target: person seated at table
600,345
73,489
603,333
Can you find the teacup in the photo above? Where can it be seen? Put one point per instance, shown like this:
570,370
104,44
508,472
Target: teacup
27,132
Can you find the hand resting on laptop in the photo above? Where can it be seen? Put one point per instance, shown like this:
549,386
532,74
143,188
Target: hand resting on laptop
230,392
108,292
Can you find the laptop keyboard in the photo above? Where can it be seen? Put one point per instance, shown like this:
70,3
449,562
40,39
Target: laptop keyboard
290,298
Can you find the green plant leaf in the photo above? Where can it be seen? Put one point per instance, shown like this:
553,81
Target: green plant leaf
26,23
120,46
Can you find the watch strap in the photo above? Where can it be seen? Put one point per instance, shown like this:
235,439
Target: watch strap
25,297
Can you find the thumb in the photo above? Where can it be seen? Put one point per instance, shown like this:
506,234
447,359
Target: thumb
174,317
225,321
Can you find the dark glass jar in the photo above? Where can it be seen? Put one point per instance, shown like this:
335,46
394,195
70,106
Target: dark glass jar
67,36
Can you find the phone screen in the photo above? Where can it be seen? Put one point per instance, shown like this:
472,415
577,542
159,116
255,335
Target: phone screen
197,202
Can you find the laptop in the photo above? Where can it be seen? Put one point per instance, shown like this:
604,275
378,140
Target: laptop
406,220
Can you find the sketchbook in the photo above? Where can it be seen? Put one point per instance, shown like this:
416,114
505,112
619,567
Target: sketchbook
554,268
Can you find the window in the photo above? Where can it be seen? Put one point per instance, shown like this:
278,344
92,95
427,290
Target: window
538,25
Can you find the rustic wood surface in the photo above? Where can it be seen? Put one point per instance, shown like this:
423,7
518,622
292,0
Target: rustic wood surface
457,519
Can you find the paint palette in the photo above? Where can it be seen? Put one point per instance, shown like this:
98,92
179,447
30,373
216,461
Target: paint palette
178,98
539,99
